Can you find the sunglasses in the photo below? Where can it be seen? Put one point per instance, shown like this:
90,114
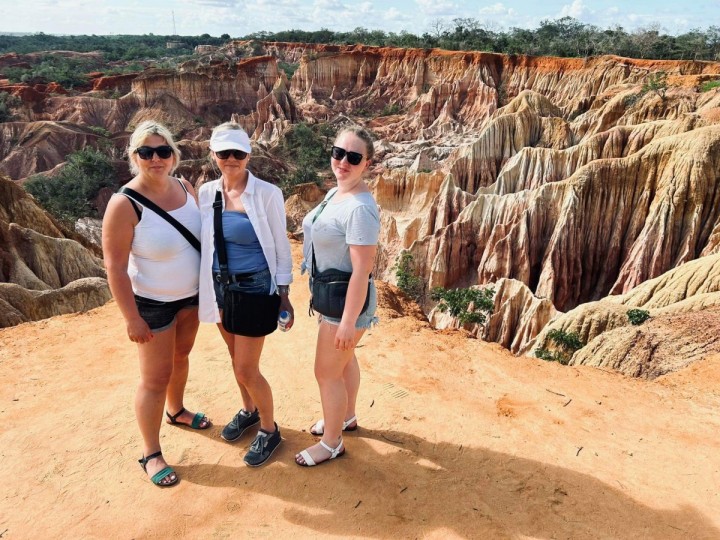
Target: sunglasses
146,152
354,158
237,154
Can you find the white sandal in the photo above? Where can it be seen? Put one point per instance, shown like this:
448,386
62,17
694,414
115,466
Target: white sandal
318,428
310,462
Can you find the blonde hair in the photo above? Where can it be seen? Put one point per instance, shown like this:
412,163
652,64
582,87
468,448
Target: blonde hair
227,126
361,134
141,133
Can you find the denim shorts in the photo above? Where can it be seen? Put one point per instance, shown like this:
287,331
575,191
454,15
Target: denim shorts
365,320
159,315
254,283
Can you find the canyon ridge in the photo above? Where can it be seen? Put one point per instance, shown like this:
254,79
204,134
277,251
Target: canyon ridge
580,190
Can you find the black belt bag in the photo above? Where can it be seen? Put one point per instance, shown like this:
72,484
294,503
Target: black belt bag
244,314
329,289
251,315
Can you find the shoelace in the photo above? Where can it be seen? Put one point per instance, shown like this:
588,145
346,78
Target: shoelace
258,445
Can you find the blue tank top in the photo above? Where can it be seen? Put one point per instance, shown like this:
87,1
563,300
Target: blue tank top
244,251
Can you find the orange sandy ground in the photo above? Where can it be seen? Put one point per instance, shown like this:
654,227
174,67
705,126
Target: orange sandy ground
458,439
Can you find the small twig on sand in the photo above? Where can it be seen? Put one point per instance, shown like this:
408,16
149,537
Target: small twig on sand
403,489
358,504
373,403
578,452
563,395
2,533
568,403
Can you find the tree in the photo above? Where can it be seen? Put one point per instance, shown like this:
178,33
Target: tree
7,102
468,306
565,343
407,278
68,195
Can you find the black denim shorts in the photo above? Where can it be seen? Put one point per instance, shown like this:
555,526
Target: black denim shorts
253,283
161,315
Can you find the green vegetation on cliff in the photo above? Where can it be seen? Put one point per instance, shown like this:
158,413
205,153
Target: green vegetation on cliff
70,194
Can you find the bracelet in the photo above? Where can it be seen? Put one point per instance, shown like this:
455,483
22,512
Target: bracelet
283,289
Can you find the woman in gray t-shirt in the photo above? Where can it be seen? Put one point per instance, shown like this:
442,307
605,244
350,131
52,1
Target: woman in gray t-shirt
343,233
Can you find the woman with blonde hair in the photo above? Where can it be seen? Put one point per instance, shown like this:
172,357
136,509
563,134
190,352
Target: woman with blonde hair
251,216
342,234
153,269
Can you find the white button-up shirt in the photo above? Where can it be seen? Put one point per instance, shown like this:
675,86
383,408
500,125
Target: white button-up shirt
265,208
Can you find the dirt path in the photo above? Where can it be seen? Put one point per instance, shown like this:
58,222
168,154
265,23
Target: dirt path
458,439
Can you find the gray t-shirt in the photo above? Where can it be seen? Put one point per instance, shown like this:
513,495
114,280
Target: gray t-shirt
351,221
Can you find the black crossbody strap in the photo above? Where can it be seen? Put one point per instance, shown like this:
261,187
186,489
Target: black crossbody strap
147,203
220,238
312,248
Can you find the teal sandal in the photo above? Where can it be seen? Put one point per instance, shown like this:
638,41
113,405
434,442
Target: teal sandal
159,476
196,421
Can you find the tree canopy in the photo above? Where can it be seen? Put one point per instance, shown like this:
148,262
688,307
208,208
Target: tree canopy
565,36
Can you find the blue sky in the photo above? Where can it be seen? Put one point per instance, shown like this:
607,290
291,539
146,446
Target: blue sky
237,18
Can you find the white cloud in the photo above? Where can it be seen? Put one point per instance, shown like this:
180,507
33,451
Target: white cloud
367,8
437,7
397,16
575,10
496,10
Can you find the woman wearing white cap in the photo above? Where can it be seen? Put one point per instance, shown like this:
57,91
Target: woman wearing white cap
259,262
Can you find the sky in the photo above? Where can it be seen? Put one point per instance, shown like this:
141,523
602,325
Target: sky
239,18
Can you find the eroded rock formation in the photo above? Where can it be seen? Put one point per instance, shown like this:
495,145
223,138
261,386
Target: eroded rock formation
560,181
43,272
684,309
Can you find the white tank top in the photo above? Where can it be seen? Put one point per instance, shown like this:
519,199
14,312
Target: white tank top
163,265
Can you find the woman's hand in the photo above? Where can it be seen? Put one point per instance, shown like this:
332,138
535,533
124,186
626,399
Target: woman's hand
345,336
285,305
138,331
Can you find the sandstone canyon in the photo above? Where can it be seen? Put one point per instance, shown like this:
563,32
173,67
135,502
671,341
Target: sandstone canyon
565,183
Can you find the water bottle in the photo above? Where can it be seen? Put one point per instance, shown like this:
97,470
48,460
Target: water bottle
283,319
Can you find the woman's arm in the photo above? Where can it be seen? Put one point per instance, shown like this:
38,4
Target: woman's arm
283,256
362,259
117,236
278,228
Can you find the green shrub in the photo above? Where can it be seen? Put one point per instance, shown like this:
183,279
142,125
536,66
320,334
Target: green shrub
289,69
303,175
406,275
551,356
68,195
390,109
307,149
466,305
7,102
709,85
566,344
308,145
656,82
632,99
638,316
100,130
68,72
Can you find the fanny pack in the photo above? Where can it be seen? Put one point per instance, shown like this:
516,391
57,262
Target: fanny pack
244,314
329,287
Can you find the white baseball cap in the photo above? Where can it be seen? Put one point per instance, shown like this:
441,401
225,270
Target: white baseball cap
230,139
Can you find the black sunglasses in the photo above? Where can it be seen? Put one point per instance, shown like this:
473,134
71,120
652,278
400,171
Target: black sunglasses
146,152
354,158
237,154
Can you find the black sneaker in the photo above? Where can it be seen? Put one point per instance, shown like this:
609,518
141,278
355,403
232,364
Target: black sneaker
262,447
240,422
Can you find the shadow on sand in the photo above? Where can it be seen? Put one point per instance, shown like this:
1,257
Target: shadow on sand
423,487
